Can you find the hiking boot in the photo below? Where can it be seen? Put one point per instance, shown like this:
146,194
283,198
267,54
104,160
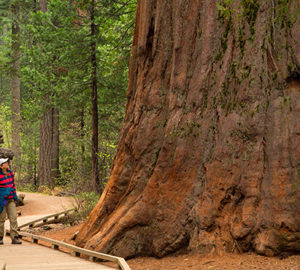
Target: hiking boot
1,240
16,241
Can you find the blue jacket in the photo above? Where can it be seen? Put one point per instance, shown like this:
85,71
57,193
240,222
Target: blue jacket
4,193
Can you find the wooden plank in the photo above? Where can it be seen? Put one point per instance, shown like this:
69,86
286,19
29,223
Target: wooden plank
31,223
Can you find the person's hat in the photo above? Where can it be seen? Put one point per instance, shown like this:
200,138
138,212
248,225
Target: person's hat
3,160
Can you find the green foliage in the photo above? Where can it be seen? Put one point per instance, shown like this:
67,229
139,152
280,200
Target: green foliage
4,13
283,17
249,10
5,124
4,40
26,188
45,190
85,202
225,9
55,63
225,13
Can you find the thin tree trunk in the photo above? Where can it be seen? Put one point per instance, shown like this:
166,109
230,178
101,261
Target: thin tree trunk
45,153
35,164
34,6
95,172
49,139
55,147
15,88
43,5
82,133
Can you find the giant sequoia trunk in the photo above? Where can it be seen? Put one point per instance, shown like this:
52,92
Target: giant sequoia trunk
208,157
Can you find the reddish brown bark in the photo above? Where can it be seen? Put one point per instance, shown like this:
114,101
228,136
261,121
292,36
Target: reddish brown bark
207,157
55,147
49,138
94,98
45,152
15,89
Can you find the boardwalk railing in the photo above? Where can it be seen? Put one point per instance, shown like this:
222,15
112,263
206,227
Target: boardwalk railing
46,219
77,251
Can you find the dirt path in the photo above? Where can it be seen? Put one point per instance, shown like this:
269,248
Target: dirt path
36,204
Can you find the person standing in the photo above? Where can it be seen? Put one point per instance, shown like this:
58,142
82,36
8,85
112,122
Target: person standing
8,198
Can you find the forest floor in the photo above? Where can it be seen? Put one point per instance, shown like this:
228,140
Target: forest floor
37,203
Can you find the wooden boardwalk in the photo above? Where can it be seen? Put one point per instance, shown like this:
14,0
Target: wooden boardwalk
31,256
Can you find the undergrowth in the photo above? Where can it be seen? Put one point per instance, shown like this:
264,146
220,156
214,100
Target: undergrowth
84,204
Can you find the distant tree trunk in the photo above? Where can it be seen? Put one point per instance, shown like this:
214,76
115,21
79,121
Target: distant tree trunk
45,154
49,139
55,147
208,156
43,5
82,133
82,170
49,148
34,6
29,165
15,88
95,171
35,165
